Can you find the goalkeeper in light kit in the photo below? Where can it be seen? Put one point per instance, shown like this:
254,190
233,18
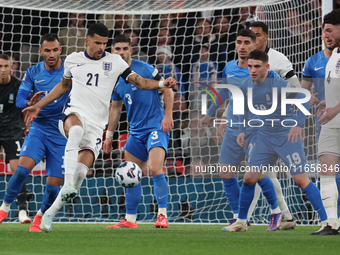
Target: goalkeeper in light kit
272,141
149,132
93,74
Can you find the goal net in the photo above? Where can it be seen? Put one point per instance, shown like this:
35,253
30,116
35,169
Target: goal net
172,35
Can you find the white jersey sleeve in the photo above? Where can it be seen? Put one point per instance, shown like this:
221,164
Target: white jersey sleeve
279,63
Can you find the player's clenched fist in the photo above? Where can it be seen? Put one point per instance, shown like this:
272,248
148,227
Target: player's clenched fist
170,82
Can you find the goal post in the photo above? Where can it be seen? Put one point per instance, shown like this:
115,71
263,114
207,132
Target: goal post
196,193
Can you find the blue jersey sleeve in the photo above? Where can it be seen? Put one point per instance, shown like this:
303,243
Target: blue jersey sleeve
25,89
224,95
307,71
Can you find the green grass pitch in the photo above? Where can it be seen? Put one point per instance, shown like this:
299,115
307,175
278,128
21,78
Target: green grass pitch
95,239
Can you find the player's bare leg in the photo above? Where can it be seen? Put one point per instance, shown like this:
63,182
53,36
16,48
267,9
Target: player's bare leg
132,198
161,189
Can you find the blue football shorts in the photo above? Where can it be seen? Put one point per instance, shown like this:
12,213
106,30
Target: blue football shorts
231,152
139,145
268,149
37,145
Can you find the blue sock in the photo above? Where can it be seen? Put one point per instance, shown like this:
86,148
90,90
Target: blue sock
338,186
132,199
313,195
161,190
232,192
15,184
246,197
51,193
268,191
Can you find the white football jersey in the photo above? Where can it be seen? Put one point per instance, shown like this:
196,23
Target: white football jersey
92,84
279,63
332,88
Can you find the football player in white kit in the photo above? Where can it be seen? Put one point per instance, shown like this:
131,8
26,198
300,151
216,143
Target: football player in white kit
93,75
329,140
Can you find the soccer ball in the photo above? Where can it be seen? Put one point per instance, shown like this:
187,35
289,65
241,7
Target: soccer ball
128,174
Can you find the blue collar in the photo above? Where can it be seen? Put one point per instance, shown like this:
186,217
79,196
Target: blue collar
87,55
267,49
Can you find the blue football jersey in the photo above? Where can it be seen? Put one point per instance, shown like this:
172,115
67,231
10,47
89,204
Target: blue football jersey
143,107
263,99
234,75
38,78
315,67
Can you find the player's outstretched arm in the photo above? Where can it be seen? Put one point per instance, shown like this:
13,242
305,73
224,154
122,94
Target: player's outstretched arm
114,116
60,89
167,122
150,84
205,121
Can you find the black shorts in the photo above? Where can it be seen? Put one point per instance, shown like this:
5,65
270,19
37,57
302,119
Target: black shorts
12,148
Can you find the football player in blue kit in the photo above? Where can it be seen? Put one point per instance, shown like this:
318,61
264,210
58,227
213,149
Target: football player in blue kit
149,135
231,153
44,138
272,141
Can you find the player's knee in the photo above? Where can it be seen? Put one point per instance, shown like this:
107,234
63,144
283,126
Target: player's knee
302,182
76,132
154,169
249,180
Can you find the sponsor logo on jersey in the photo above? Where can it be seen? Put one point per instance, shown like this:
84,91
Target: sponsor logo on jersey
38,81
229,76
11,98
318,68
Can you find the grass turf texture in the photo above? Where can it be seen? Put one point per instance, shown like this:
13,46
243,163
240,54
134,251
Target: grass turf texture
95,239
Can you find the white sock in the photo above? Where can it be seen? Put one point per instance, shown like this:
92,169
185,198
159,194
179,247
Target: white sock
79,175
162,211
235,215
329,195
39,213
276,210
280,199
75,135
253,204
244,222
5,207
131,218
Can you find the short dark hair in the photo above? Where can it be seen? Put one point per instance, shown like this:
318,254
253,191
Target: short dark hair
261,25
247,33
50,37
5,57
121,39
258,55
332,18
99,29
